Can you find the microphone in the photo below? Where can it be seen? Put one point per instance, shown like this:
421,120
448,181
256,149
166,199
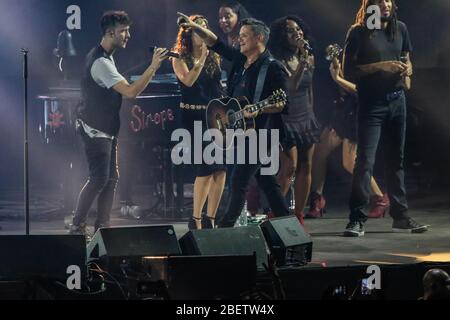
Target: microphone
306,45
169,53
24,51
181,20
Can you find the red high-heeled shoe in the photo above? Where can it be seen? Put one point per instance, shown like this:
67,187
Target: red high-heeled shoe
316,206
300,216
378,206
270,215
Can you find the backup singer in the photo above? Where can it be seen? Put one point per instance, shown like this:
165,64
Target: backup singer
288,43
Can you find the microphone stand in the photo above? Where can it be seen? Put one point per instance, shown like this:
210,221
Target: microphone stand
26,172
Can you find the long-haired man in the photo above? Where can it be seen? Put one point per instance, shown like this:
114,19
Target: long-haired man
378,61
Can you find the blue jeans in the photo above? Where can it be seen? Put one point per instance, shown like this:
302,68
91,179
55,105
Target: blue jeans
101,154
383,118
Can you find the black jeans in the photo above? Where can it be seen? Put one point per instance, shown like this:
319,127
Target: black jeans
240,178
377,119
101,154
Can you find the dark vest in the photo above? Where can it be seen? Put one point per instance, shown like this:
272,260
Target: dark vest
101,106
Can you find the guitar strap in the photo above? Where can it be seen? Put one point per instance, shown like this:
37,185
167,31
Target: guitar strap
261,79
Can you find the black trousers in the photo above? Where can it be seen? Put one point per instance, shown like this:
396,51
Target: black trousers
101,154
240,179
386,119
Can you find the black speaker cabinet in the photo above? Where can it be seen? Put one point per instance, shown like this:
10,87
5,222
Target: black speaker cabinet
288,241
41,256
114,245
226,241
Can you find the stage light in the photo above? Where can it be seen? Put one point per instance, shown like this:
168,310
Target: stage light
64,49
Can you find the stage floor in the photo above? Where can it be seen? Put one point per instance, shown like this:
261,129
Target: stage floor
379,246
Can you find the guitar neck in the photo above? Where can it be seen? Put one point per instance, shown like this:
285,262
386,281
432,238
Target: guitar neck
239,115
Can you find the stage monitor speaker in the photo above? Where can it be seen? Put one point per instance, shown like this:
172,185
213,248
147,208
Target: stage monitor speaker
41,257
135,241
288,241
226,241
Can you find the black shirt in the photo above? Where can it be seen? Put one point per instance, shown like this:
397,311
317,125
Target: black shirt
242,82
364,46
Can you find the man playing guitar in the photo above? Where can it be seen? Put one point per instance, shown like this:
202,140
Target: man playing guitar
249,63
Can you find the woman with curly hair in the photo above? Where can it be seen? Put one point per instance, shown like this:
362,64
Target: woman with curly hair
198,71
290,43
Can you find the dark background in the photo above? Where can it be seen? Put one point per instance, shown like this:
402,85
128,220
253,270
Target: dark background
35,24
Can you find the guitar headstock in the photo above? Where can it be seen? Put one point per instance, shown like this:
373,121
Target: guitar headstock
333,51
278,97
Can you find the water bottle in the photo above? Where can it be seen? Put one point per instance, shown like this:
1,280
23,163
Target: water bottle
292,195
243,219
131,211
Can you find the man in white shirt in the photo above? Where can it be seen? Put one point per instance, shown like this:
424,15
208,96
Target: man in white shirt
102,90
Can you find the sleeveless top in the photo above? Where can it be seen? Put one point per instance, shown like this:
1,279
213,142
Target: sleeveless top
205,89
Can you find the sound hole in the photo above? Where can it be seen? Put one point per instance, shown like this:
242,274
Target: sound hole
231,120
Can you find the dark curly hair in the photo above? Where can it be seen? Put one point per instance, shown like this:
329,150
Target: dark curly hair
278,43
183,46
